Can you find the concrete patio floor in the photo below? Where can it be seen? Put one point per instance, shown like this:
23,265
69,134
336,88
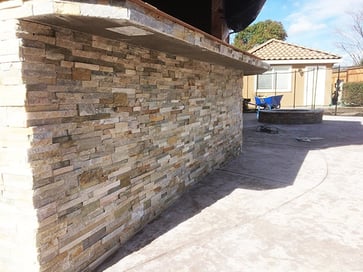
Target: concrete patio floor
282,205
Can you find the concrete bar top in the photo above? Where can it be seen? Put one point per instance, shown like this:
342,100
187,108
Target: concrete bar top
137,23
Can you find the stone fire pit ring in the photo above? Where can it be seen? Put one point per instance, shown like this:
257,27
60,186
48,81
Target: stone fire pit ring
291,116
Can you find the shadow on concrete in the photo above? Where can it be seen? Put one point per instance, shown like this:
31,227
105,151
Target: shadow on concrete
268,161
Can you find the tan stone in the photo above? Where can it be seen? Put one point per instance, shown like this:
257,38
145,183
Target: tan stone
88,66
120,99
81,74
91,178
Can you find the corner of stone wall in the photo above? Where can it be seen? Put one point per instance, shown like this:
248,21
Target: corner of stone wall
19,224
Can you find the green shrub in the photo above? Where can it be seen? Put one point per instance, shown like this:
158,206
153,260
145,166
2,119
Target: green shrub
353,94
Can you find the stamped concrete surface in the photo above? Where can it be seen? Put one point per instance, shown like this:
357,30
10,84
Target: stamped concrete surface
282,205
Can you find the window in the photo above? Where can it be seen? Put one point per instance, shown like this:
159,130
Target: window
278,78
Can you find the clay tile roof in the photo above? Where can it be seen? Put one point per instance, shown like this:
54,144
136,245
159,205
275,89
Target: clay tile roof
279,50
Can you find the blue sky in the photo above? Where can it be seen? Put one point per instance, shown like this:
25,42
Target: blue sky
312,23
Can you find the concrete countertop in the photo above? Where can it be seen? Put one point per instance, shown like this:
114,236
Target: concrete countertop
138,23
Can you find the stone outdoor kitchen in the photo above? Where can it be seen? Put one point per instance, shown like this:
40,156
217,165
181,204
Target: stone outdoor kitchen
109,111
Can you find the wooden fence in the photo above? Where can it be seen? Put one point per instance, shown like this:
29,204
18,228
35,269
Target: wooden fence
348,74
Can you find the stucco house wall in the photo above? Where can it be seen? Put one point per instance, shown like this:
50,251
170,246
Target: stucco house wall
309,70
295,96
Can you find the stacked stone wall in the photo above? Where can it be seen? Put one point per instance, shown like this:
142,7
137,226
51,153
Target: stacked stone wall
112,134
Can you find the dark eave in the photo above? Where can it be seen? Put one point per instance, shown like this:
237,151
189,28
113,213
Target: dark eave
240,13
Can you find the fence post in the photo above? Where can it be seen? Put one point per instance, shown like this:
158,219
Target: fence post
337,91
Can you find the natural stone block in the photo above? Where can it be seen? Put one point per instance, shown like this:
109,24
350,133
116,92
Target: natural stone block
87,109
91,178
120,99
81,74
88,66
94,238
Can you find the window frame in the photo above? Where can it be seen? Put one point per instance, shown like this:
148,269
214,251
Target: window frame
274,70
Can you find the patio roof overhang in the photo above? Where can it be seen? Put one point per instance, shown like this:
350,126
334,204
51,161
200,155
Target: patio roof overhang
140,24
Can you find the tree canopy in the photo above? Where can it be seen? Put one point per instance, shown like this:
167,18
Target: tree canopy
259,33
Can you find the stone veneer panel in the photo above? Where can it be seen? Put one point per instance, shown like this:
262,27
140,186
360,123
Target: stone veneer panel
103,137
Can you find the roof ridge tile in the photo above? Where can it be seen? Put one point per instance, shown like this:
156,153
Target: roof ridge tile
275,49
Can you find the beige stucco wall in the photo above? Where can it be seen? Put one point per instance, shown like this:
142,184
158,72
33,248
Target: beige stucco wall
295,96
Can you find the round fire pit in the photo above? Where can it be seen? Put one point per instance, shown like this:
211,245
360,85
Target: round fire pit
293,116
